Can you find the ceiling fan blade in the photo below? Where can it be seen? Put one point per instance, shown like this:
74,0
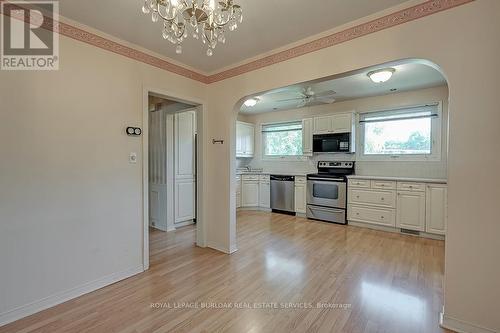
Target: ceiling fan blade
303,103
325,100
290,99
326,93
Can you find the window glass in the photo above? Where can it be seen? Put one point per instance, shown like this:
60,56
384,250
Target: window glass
283,139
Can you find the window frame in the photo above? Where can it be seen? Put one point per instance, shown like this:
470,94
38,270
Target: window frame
436,138
288,158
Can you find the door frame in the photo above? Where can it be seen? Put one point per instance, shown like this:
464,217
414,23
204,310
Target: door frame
200,215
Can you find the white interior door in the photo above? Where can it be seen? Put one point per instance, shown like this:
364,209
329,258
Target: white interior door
185,166
158,189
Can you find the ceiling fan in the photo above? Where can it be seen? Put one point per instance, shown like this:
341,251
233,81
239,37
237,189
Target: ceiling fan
309,97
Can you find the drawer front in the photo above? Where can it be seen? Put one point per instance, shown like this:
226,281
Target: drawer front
379,216
246,178
371,197
300,180
365,183
264,178
383,184
411,186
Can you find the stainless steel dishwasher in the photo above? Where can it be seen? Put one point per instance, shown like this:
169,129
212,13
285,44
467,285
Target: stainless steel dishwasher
283,193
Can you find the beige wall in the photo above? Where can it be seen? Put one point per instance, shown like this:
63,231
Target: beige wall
70,203
464,42
424,169
71,209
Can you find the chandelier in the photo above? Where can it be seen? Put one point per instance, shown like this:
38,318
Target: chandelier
207,20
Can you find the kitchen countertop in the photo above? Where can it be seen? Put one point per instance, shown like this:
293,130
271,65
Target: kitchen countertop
402,179
286,173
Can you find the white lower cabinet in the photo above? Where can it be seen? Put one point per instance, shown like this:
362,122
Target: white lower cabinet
410,210
373,197
436,208
255,192
380,216
264,192
249,192
300,195
398,204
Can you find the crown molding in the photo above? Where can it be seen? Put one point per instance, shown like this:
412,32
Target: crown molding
391,20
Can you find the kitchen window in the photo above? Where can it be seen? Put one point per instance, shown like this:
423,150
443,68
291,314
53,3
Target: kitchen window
282,140
411,133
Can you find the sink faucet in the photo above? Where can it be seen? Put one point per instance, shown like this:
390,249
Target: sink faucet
248,168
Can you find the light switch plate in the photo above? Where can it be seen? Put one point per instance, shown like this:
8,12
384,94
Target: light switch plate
132,158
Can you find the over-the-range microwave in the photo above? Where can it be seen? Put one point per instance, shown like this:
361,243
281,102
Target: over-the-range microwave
333,143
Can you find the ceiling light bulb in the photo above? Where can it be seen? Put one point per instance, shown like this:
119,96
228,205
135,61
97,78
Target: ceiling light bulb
251,102
381,75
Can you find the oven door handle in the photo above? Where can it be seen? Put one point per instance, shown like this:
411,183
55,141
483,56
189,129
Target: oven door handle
327,179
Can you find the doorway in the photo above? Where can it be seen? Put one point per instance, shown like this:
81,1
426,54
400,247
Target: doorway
171,186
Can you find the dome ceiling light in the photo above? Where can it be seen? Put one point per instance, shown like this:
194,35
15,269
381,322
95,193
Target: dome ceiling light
251,102
381,75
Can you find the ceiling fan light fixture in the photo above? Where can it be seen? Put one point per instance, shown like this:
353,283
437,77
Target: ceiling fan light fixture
381,75
251,102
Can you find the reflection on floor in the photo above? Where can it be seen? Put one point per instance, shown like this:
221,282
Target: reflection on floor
289,275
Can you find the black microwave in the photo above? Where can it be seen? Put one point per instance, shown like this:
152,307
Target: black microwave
332,143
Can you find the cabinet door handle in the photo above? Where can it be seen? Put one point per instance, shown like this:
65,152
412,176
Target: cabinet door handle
382,199
357,197
382,217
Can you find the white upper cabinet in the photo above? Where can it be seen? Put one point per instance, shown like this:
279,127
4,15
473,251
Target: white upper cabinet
410,210
338,123
323,125
307,137
342,123
436,208
245,136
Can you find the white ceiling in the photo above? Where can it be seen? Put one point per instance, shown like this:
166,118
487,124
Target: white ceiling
408,76
267,25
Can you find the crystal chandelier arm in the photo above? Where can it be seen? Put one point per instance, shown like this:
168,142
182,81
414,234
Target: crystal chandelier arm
165,16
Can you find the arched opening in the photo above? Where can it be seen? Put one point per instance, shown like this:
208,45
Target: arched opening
397,192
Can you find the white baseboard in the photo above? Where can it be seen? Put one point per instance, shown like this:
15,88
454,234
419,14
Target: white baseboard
183,224
61,297
461,326
393,230
220,248
258,209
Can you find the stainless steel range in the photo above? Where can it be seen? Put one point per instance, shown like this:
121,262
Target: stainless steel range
327,191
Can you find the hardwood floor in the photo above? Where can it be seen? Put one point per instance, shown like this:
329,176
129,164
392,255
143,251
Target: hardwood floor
364,280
